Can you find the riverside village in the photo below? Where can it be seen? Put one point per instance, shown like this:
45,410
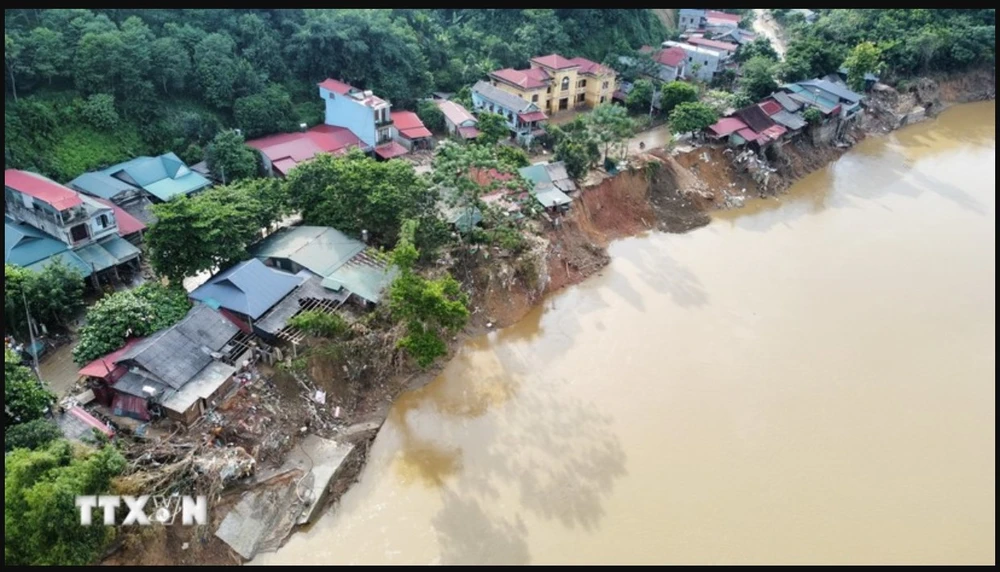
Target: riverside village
233,238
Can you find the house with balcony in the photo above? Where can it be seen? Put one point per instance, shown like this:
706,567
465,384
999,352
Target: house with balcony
139,183
365,114
525,119
44,219
555,83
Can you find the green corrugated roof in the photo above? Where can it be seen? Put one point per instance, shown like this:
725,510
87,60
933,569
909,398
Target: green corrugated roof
98,258
362,280
69,258
536,174
319,249
120,248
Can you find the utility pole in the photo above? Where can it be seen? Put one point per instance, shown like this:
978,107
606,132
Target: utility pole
31,335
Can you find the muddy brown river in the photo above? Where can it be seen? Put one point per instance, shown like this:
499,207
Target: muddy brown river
805,381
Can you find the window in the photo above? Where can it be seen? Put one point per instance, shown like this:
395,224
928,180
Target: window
602,99
79,232
690,58
565,83
581,98
581,83
548,90
604,85
103,221
534,98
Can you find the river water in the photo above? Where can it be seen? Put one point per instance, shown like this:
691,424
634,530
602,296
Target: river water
806,381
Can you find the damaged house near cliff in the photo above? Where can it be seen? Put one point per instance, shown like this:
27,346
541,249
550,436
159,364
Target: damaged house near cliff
335,271
182,371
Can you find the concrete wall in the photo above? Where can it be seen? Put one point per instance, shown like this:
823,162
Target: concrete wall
345,111
689,18
59,223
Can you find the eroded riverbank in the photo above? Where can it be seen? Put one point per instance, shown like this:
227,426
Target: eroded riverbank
809,381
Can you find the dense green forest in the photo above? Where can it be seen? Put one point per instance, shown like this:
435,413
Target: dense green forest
910,42
87,88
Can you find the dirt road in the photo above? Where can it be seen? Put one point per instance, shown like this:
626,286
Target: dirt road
764,25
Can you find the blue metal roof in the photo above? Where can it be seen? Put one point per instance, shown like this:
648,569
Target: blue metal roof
833,89
100,184
31,248
164,177
250,288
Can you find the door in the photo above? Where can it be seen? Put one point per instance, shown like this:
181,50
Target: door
564,104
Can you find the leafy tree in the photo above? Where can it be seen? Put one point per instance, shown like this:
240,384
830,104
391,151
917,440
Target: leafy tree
865,58
610,126
577,157
209,230
25,398
230,158
99,63
129,313
428,308
576,146
265,113
720,101
760,47
54,295
808,57
676,93
641,96
34,434
456,168
41,519
354,193
216,68
171,64
692,117
723,79
492,128
48,54
99,110
12,60
431,115
757,79
812,115
513,157
741,99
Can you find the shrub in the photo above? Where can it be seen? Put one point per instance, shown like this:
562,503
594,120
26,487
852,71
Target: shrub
319,323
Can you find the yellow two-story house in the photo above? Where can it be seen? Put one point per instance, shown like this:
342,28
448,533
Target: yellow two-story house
555,83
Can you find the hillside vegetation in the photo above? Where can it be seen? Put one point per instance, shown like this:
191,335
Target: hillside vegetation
88,88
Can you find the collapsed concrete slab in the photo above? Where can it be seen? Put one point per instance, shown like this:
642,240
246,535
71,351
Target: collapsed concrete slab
288,496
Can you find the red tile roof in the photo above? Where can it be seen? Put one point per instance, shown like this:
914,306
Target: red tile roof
726,46
723,16
286,150
335,86
590,68
103,366
672,56
127,224
390,150
41,188
555,61
532,116
525,79
770,106
727,125
409,124
468,132
748,134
